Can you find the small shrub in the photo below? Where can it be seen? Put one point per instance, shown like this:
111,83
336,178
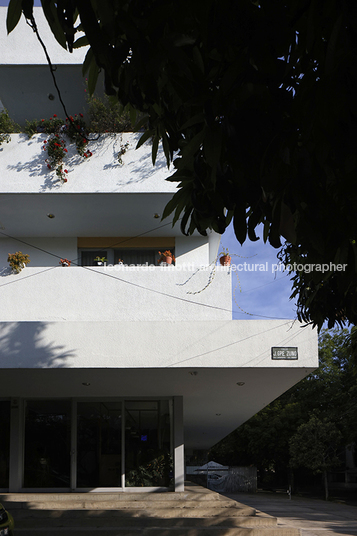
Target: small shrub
18,261
107,116
7,125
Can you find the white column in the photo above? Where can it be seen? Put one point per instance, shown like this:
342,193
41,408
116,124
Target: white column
179,457
16,445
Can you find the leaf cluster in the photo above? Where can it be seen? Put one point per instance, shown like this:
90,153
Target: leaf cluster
327,396
18,261
7,126
107,116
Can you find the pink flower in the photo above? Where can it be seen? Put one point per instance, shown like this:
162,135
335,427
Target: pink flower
65,150
48,165
81,115
54,115
65,171
64,180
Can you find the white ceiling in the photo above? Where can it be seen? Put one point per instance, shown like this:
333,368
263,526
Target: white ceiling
214,405
85,215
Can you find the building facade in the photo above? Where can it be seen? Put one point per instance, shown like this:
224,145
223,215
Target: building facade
110,371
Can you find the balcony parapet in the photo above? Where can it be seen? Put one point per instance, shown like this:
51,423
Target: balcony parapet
111,293
23,167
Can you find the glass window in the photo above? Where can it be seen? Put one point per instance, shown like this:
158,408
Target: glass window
99,444
148,460
4,442
135,256
88,256
47,444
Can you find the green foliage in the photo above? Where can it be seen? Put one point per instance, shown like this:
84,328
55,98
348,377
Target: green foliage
107,116
315,445
328,394
154,473
18,261
56,150
7,125
31,127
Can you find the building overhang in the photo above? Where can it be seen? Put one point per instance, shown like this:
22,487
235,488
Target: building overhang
224,370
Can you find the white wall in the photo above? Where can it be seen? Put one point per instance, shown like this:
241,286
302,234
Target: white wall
222,344
42,251
109,293
28,92
23,167
21,46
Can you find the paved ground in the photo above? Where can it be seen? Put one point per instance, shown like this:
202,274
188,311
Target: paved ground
315,517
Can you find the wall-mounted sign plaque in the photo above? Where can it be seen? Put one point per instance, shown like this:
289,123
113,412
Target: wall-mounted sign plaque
290,352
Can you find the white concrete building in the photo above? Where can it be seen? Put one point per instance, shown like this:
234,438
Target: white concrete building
109,372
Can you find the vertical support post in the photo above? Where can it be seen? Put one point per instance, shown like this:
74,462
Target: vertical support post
16,445
179,458
73,462
123,417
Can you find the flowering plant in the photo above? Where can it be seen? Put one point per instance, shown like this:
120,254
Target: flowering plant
76,130
164,255
56,150
65,262
18,261
100,259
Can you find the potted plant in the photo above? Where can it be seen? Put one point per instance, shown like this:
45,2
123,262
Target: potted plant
18,261
65,262
99,261
166,257
225,258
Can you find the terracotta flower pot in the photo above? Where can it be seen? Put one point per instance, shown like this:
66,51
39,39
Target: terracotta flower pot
225,260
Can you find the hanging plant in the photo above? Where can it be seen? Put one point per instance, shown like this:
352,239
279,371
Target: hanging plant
225,258
122,151
56,150
76,130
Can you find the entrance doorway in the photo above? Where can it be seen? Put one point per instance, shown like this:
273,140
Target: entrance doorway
95,444
47,444
99,444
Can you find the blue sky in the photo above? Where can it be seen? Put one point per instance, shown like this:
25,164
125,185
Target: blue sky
258,289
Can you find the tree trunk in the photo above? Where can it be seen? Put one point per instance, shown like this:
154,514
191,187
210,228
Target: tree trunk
325,485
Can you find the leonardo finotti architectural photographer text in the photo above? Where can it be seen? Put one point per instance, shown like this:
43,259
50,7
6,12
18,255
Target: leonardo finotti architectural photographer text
241,267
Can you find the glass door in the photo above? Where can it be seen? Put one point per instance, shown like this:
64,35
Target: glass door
99,444
4,443
148,460
47,444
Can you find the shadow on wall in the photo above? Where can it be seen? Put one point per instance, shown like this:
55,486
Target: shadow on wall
23,345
